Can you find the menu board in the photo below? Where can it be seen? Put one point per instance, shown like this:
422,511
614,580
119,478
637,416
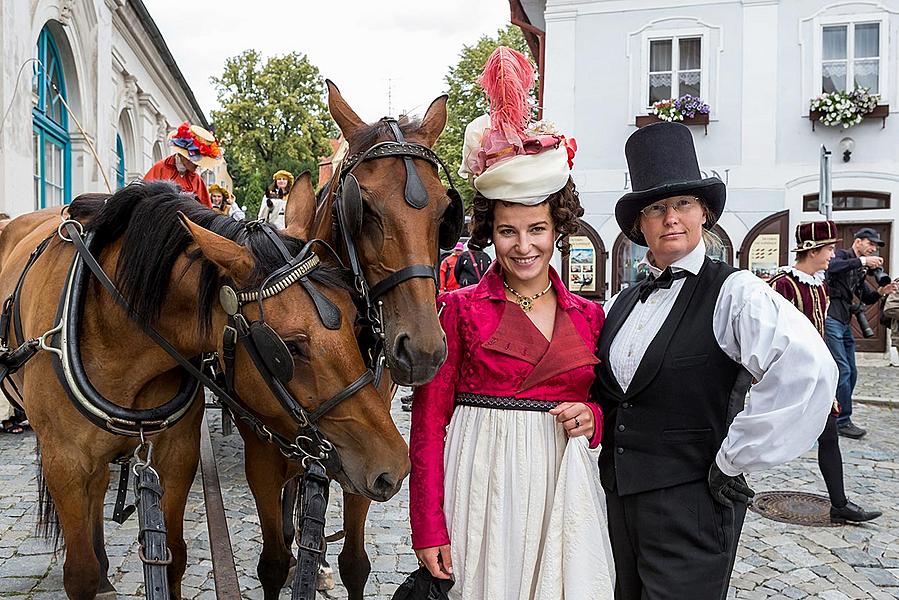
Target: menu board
581,264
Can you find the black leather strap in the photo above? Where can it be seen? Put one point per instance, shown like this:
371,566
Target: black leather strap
122,420
361,381
416,194
154,552
13,302
394,279
121,512
311,515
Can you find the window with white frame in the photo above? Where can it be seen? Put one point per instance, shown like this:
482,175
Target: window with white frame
675,68
850,57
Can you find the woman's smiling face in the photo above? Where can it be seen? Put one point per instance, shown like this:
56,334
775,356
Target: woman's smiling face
524,238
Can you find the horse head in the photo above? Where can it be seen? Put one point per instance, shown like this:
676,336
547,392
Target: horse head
309,336
402,213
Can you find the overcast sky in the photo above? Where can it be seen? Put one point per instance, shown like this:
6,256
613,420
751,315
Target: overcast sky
365,46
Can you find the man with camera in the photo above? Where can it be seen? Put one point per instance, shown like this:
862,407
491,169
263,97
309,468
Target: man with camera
846,276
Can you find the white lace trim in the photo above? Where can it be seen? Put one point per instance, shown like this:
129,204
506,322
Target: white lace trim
816,280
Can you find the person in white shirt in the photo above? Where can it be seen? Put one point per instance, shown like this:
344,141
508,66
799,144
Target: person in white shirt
678,353
271,209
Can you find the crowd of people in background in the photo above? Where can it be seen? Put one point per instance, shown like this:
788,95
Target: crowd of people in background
195,148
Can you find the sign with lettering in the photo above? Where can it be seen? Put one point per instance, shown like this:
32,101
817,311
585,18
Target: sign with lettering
581,264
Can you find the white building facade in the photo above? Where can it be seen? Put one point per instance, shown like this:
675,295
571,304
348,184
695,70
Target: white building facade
93,111
757,63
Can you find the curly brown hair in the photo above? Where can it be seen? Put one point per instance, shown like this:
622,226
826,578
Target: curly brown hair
564,208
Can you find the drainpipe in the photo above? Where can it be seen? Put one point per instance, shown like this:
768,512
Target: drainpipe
541,55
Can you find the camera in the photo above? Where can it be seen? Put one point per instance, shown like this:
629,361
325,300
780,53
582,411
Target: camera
880,276
859,311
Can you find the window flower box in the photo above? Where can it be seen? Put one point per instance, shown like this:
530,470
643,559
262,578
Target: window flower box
699,119
689,110
847,109
881,111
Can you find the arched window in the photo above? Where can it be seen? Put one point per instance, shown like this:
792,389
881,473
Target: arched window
50,134
120,163
766,246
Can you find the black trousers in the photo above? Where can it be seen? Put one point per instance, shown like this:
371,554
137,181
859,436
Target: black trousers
830,461
675,543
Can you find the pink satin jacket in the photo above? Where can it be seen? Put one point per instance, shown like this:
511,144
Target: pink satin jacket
494,349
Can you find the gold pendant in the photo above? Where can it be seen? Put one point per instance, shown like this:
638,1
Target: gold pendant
526,304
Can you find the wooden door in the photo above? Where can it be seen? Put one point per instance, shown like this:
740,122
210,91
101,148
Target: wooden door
878,343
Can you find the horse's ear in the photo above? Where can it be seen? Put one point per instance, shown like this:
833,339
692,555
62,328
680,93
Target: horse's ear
300,210
434,120
235,260
346,117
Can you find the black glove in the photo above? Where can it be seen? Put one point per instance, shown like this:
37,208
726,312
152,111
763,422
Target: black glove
726,489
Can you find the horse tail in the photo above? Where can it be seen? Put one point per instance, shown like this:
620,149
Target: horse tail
47,518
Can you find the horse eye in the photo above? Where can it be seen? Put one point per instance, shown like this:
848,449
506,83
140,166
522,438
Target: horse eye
298,346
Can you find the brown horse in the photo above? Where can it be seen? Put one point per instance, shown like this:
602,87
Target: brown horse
393,236
170,271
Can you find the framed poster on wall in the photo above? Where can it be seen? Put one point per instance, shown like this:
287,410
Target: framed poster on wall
584,269
581,265
764,255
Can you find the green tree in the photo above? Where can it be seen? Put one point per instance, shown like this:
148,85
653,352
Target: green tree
273,116
466,98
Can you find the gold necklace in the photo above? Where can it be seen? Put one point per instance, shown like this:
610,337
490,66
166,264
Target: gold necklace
526,302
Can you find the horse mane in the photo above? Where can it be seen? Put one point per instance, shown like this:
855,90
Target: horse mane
367,136
144,216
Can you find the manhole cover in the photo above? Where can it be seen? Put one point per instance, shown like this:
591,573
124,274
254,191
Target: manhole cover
798,508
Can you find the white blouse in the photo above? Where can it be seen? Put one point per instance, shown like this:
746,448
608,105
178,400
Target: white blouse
796,375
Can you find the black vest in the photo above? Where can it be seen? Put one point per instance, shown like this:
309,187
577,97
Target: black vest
670,424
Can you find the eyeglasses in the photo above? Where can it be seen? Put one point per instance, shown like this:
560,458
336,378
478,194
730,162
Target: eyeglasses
659,209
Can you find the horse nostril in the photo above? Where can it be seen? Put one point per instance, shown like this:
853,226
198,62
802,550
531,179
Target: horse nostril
385,485
402,354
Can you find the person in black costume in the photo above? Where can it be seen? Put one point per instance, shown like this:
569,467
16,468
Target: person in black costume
846,278
677,354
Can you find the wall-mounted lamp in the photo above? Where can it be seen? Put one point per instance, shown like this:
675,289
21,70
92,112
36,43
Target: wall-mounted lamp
847,145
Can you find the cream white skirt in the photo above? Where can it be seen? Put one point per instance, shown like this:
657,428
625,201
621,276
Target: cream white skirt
6,409
525,509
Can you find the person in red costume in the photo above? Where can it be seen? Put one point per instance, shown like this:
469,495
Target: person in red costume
193,147
804,286
505,497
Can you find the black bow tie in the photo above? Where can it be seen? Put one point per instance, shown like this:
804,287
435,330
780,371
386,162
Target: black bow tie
662,282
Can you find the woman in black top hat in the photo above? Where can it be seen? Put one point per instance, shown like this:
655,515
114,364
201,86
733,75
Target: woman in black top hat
677,355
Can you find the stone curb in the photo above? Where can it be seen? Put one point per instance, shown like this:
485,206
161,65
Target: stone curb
877,401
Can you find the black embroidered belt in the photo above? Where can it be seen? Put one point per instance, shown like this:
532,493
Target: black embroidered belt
504,402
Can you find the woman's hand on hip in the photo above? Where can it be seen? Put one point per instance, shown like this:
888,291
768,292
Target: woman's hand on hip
575,417
437,561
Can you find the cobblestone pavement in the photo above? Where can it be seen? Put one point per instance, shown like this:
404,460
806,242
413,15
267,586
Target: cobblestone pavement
775,560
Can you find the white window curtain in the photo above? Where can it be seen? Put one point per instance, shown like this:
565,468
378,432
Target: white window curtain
850,53
675,68
834,55
866,66
660,62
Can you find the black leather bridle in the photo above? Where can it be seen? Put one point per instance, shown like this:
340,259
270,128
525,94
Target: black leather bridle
267,350
348,213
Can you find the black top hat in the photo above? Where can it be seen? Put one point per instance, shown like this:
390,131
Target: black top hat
662,163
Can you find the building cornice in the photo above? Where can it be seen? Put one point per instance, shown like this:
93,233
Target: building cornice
165,54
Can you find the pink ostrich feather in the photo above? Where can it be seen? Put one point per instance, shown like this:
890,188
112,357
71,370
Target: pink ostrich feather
507,79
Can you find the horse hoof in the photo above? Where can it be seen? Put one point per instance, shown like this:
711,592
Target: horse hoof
106,595
324,581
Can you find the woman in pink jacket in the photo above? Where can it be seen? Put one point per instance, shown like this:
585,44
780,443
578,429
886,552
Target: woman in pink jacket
504,491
